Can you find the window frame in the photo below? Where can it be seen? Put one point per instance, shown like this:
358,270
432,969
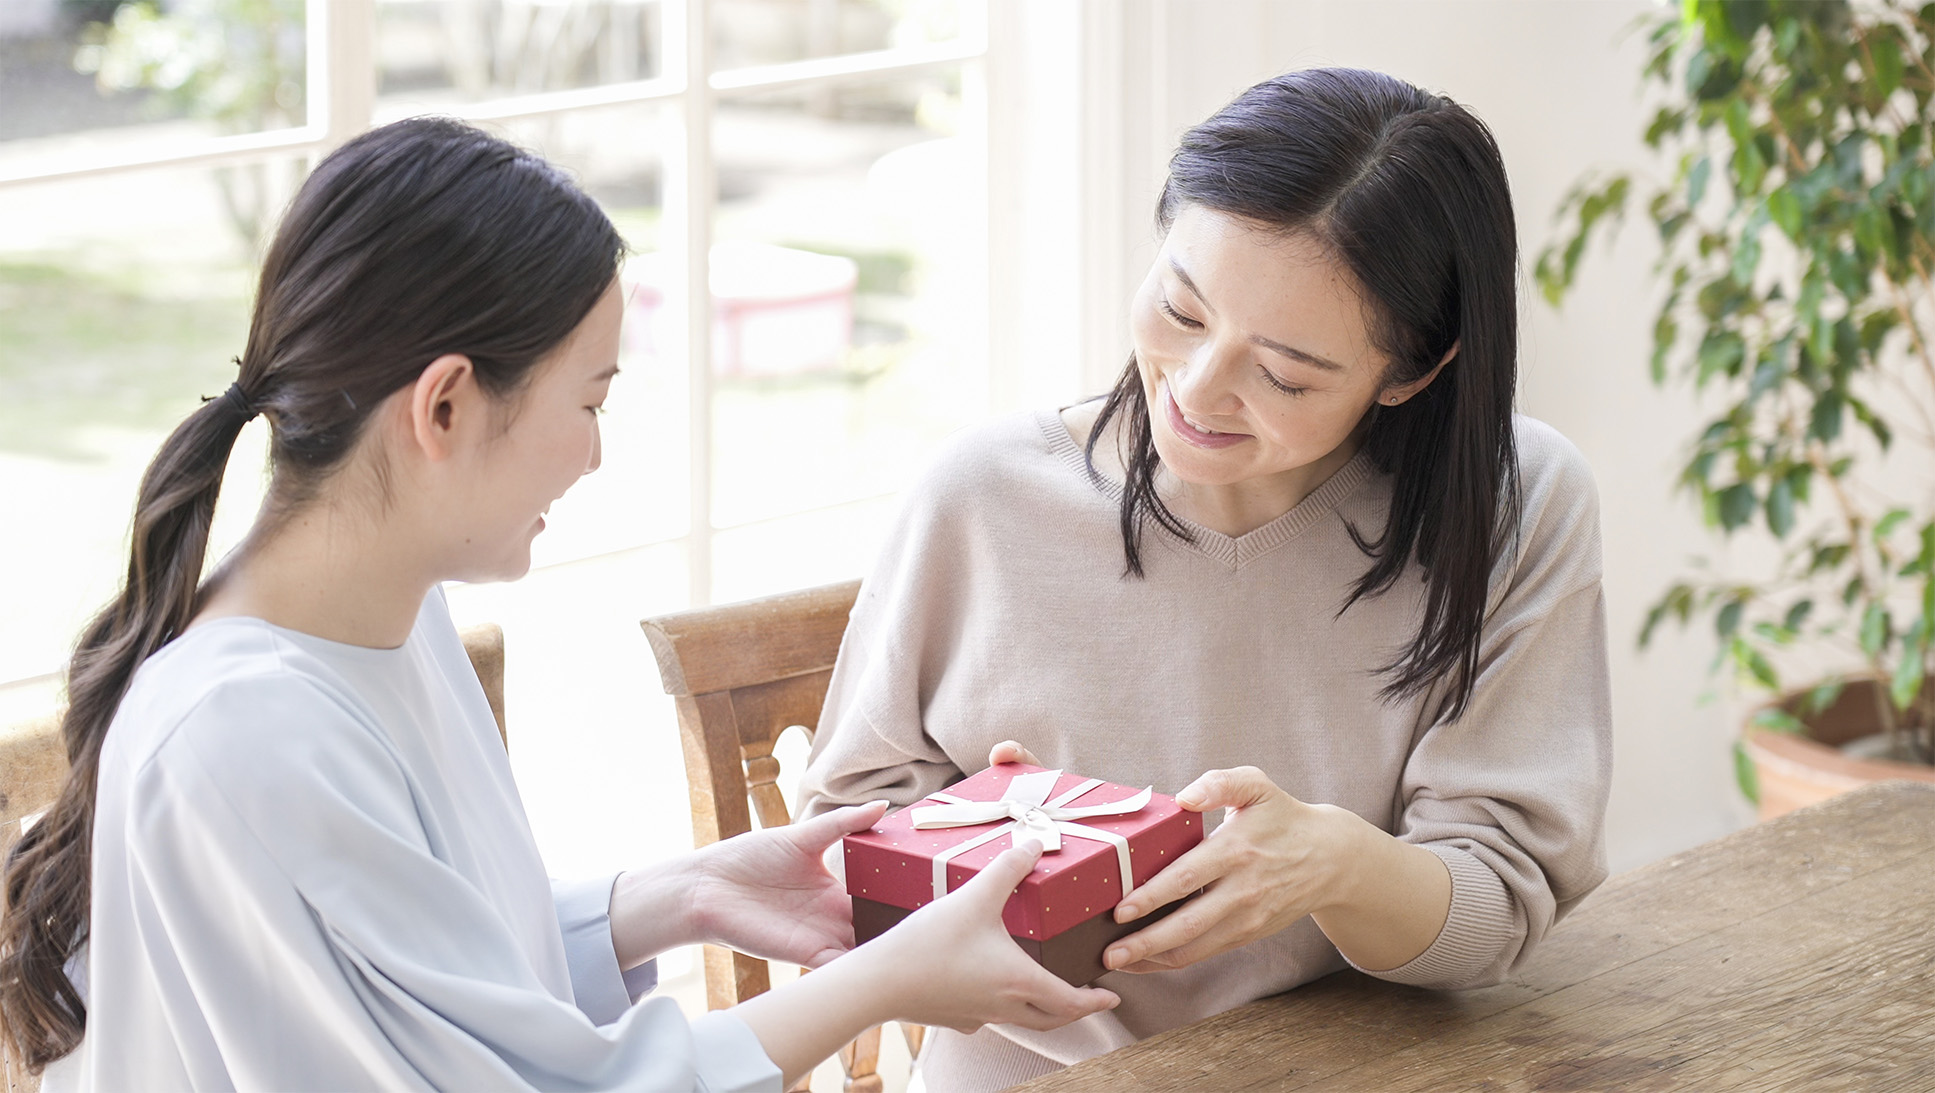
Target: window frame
341,78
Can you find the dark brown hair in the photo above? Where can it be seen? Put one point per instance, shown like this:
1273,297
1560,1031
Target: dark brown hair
1407,189
414,240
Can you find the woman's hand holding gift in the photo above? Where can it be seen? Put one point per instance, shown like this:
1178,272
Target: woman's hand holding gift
961,942
768,894
1274,860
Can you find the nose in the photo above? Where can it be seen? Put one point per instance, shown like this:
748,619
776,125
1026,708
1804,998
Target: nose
1203,383
597,447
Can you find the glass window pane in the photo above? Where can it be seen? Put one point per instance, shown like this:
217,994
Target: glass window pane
123,301
746,33
638,495
593,738
75,74
436,54
846,277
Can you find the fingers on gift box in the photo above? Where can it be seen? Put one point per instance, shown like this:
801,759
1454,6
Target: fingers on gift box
1099,840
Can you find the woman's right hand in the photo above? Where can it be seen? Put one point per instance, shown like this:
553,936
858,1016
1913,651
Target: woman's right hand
952,963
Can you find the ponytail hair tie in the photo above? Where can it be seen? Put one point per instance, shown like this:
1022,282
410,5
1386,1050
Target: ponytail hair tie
237,402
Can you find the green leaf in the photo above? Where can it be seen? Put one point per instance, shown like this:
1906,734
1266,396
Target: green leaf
1677,602
1824,423
1869,229
1887,59
1784,209
1749,168
1720,354
1823,695
1877,627
1698,68
1744,775
1813,289
1737,505
1728,620
1787,37
1696,181
1885,526
1757,666
1907,683
1827,556
1797,614
1767,376
1667,120
1665,332
1746,256
1739,125
1876,425
1800,479
1775,719
1780,508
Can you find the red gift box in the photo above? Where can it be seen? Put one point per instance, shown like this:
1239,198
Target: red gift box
1060,913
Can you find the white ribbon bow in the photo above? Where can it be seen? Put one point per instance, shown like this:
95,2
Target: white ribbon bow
1032,815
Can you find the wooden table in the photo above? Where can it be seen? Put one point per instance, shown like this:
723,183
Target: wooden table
1795,955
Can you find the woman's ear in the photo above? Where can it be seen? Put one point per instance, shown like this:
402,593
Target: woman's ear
445,402
1393,396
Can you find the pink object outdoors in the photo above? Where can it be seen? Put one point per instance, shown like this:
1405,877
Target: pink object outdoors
775,310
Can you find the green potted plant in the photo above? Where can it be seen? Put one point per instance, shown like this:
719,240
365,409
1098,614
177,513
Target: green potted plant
1797,231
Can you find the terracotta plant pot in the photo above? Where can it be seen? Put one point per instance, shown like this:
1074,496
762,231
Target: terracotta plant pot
1796,769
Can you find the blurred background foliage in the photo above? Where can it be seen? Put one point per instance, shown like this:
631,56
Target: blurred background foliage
239,63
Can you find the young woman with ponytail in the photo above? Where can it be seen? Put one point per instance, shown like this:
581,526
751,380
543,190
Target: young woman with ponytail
290,853
1302,566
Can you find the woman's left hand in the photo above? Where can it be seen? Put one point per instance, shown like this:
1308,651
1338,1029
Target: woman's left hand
767,894
1273,860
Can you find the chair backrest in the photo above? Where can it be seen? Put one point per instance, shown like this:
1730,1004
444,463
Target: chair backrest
33,768
741,675
484,643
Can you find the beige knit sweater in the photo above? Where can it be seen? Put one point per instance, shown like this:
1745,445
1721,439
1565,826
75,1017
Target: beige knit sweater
998,608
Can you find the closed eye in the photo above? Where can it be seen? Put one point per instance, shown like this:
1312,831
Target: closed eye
1178,317
1271,378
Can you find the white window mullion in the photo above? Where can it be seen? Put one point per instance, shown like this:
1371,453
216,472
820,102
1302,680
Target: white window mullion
686,235
982,336
342,68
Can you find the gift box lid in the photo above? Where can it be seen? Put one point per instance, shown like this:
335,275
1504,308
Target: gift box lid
893,862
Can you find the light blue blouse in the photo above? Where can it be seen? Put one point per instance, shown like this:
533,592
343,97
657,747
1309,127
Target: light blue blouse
312,870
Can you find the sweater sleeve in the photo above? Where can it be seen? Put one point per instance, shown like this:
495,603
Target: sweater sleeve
1512,794
291,888
871,744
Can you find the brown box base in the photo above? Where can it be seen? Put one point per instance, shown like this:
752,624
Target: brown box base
1075,954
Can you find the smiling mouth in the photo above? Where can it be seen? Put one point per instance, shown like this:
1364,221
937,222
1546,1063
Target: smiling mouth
1190,431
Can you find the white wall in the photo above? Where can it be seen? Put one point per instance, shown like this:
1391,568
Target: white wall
1557,80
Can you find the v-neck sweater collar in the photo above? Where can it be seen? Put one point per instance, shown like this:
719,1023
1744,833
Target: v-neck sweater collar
1234,551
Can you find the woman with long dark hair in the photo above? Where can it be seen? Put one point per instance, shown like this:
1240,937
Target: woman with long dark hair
1302,565
290,854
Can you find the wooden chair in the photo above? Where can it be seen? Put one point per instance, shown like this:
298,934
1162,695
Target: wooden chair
741,675
33,767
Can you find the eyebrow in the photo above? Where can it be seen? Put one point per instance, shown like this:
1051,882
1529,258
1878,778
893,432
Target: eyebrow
1256,339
